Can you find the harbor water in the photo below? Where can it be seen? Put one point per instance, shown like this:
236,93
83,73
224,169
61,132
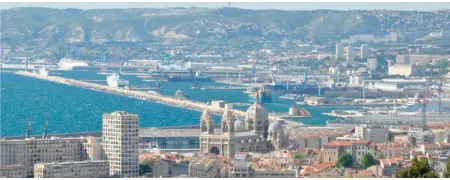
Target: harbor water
71,109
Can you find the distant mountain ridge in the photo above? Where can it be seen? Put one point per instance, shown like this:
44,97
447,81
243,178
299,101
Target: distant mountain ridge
46,26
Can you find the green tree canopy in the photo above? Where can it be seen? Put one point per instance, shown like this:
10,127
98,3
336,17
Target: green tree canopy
344,160
145,167
419,169
367,160
299,156
447,170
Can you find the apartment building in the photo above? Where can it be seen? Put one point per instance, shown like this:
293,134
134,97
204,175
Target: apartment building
30,151
376,134
204,168
83,169
241,167
120,143
356,148
391,166
92,149
13,171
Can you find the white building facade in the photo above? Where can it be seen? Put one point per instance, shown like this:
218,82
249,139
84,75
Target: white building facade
120,143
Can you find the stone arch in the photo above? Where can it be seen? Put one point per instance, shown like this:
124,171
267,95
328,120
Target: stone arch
224,127
215,150
250,148
250,124
241,149
203,126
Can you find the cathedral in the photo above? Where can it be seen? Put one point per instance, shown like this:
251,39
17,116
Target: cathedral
253,134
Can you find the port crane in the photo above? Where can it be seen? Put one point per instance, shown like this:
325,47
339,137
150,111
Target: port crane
424,103
440,83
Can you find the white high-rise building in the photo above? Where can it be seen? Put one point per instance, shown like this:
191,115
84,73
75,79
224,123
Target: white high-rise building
350,53
339,51
120,143
372,63
364,51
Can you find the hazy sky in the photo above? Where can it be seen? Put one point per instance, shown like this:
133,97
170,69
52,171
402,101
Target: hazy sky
281,6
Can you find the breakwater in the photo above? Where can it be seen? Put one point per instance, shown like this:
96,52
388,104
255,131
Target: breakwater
154,97
148,96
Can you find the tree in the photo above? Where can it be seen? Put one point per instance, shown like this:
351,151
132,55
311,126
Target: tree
344,160
419,169
298,156
367,160
447,170
145,167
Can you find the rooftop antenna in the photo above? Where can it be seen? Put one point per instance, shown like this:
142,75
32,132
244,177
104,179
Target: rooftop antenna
44,136
424,112
28,129
440,93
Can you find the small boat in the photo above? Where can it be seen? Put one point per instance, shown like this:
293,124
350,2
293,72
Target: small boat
180,94
196,85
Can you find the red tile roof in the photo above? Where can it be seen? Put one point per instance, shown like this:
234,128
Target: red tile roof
365,173
346,143
325,165
431,145
309,170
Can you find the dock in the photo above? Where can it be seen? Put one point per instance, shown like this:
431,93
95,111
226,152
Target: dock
153,97
222,88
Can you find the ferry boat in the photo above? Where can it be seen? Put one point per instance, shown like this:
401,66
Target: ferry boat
383,115
115,81
297,88
69,64
300,97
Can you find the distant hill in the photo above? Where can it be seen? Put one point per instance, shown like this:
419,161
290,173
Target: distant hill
45,26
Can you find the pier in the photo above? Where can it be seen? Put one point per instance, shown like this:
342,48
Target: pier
154,97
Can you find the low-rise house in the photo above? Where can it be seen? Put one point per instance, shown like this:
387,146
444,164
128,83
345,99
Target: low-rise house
204,168
391,166
357,149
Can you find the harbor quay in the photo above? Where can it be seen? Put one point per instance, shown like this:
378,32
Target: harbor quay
148,96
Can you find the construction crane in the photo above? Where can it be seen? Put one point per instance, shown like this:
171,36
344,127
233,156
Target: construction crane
424,110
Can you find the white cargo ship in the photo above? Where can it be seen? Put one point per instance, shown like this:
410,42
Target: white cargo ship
115,81
69,64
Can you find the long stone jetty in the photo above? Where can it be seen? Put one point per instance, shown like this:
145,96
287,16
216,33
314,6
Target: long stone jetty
189,104
154,97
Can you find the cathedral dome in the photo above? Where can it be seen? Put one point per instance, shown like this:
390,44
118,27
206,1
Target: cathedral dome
239,125
256,112
275,126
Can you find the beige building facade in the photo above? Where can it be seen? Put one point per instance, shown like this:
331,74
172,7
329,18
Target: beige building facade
255,134
357,149
120,143
31,151
83,169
